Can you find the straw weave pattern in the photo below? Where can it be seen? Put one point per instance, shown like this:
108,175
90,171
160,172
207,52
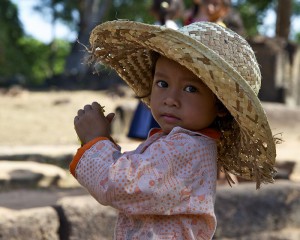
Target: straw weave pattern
221,58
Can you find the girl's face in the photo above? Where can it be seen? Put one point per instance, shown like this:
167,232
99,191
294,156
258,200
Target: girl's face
180,98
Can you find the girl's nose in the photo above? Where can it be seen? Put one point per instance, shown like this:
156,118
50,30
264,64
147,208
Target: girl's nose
172,99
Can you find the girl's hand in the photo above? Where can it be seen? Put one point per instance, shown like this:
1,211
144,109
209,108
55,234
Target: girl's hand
91,123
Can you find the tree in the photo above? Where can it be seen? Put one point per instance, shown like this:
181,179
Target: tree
283,21
37,56
56,10
24,60
11,31
92,13
254,11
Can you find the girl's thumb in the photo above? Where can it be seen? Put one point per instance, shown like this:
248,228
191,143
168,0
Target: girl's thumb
110,117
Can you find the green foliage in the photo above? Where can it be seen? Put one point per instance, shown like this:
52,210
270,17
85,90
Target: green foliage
136,10
62,10
11,31
297,38
23,58
253,12
37,56
296,7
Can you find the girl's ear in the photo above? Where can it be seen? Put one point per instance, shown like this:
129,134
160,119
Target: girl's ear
222,112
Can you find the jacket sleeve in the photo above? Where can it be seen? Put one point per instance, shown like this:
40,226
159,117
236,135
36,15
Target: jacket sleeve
176,175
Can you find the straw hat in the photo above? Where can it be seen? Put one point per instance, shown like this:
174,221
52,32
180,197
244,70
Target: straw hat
221,58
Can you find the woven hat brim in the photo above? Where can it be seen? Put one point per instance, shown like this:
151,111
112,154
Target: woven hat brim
125,46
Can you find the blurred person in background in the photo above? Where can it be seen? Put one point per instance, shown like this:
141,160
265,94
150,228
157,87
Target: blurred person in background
218,11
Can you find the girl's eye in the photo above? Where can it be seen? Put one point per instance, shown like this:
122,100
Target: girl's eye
190,89
162,84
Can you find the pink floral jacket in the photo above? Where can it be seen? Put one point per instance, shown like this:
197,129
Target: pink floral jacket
165,189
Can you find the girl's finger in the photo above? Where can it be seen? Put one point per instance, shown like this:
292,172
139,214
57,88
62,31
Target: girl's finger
76,119
110,117
96,105
80,112
87,107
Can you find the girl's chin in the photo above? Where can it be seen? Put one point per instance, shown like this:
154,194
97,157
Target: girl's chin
168,129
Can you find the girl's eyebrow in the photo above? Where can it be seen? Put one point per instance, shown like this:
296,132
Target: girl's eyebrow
159,74
192,79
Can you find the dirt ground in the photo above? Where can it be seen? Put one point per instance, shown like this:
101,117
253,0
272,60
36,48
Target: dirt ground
46,119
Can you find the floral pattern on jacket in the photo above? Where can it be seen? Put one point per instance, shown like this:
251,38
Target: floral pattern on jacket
165,189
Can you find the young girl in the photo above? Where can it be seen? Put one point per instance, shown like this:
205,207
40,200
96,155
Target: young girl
201,84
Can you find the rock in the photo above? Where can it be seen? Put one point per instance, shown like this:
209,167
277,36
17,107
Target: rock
242,210
121,123
85,218
286,234
284,169
23,173
243,213
35,223
36,197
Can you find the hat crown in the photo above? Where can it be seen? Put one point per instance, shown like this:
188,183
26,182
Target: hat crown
230,48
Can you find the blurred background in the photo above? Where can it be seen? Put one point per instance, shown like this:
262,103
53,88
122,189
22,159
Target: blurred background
39,37
44,80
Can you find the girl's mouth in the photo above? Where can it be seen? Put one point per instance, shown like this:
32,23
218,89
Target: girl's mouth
169,118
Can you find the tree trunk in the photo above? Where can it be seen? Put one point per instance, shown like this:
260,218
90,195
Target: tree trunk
283,21
91,14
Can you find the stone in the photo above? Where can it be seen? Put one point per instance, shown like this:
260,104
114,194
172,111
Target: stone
242,210
28,173
85,218
35,223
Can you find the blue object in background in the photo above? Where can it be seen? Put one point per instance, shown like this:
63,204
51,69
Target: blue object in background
142,122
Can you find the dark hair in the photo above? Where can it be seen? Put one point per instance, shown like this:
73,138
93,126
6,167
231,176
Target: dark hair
223,123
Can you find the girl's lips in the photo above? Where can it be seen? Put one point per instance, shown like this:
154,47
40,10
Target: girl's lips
170,118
